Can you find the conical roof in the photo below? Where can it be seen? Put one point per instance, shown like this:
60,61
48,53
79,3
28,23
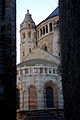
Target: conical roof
28,17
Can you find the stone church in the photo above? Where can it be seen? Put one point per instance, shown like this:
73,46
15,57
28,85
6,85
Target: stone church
38,74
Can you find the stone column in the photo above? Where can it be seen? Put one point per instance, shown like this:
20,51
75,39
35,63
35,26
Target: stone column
28,70
38,70
43,70
52,70
48,28
48,70
55,42
40,99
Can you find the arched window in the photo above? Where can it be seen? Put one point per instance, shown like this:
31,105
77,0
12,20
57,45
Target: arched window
49,97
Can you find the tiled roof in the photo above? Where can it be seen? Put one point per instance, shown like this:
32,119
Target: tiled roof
54,13
33,62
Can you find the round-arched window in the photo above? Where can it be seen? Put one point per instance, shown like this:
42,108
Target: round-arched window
49,97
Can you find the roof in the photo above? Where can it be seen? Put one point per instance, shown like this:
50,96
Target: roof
53,14
33,62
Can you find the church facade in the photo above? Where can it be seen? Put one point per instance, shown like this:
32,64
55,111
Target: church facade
38,76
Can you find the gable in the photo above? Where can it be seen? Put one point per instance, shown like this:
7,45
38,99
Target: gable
38,53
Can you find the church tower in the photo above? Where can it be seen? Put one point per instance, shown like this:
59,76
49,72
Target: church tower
27,36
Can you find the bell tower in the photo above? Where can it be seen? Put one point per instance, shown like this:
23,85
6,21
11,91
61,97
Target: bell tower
27,36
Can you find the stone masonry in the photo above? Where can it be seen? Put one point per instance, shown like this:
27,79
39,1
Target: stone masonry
38,81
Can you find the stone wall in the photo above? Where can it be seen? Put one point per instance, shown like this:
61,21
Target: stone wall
39,81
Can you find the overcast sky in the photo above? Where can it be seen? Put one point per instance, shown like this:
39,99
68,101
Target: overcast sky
39,9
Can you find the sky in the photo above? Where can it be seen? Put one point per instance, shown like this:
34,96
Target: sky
39,9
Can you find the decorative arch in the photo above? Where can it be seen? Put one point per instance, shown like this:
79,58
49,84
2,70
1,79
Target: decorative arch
52,89
32,97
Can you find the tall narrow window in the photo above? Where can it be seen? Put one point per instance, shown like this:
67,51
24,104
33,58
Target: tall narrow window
49,70
50,26
49,97
29,25
23,35
26,70
43,30
46,28
45,70
23,53
54,70
29,50
41,70
29,34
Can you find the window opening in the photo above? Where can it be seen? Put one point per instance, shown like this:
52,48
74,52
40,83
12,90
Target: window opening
29,50
46,29
23,53
50,26
45,48
49,97
29,34
41,70
26,70
53,70
45,70
43,30
23,35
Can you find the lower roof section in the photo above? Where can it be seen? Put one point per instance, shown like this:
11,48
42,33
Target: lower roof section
33,62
